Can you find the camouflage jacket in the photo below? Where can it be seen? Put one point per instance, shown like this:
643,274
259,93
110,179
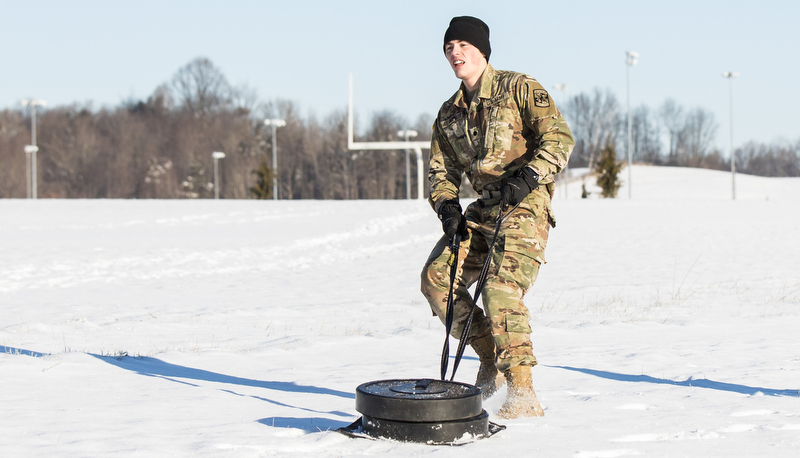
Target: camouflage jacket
510,123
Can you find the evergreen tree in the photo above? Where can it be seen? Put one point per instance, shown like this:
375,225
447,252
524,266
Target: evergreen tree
608,169
263,186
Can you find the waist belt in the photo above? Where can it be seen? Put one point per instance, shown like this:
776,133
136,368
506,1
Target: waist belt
489,195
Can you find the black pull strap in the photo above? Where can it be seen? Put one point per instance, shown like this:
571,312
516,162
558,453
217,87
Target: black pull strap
455,246
462,342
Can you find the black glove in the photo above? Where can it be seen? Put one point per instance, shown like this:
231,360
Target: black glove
517,187
453,222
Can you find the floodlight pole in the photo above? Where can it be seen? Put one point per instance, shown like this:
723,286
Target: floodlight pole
275,123
217,155
563,88
27,173
29,151
731,76
33,103
408,134
630,61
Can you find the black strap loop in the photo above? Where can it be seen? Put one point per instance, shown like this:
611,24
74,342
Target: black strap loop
462,342
455,246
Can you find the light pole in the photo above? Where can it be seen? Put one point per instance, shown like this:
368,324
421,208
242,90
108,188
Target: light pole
631,59
29,150
731,76
408,134
33,103
563,88
217,155
275,123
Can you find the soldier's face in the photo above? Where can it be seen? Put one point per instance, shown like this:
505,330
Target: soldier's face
466,61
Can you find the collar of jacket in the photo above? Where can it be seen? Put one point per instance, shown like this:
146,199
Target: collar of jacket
484,88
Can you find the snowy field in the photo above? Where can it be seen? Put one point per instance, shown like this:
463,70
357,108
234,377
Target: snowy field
665,325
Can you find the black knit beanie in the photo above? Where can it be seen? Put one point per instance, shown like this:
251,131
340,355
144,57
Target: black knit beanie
469,29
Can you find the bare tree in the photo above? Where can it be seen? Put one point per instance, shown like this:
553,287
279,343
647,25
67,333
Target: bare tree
74,153
423,126
644,135
335,162
776,160
671,116
14,135
696,137
161,147
201,88
244,99
595,121
385,178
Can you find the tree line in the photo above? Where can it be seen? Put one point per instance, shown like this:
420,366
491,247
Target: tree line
668,135
160,147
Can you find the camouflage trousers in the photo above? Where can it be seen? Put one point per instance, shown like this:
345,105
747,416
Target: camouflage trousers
518,253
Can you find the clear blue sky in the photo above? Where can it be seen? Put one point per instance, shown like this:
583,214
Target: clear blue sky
108,51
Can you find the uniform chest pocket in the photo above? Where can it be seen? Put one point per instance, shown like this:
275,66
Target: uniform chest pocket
503,127
456,132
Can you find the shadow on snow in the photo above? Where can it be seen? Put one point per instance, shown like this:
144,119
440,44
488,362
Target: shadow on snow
19,351
311,425
692,382
153,367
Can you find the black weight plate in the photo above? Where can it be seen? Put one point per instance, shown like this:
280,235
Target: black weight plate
423,400
434,432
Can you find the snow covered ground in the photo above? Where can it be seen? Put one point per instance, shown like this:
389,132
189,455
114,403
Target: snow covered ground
665,325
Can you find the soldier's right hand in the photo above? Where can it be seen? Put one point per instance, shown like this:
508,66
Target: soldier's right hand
453,221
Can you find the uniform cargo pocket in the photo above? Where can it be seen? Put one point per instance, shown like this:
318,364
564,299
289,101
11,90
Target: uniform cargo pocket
523,249
518,323
526,234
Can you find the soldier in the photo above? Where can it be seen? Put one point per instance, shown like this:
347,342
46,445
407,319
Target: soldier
502,130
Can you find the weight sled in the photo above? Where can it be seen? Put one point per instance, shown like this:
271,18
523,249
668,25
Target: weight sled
418,400
450,433
435,412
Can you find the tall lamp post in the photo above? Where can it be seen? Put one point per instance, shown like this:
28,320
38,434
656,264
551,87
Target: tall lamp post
631,59
408,134
563,88
731,76
217,155
274,123
33,103
29,150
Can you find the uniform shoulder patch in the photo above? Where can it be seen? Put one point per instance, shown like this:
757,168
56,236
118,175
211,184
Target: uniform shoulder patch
541,98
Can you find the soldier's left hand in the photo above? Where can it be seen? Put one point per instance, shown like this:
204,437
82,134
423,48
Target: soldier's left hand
517,187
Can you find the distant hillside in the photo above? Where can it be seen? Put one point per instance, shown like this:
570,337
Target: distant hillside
678,183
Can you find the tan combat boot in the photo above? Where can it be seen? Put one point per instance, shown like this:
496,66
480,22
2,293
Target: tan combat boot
489,378
521,400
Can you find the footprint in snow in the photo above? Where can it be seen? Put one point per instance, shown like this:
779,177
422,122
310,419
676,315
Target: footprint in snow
661,437
752,413
634,407
737,428
652,437
789,427
606,453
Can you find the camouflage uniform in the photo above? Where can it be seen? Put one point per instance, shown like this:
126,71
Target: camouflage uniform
509,123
